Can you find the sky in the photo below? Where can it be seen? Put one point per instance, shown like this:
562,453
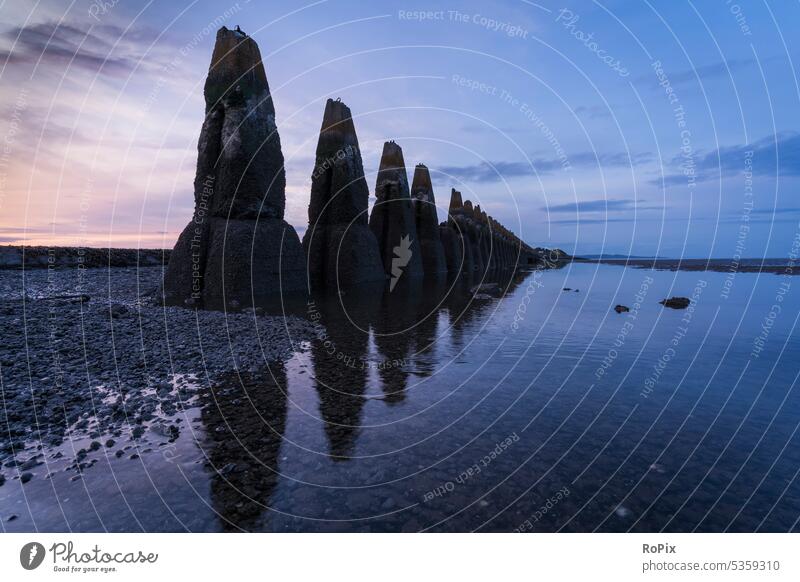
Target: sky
646,128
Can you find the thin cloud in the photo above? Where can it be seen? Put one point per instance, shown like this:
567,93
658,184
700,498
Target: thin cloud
777,155
775,210
593,111
52,44
712,71
704,73
593,206
600,205
484,172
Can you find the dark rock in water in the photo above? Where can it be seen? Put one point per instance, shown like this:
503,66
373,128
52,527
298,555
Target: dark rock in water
676,302
427,221
491,289
2,479
238,229
341,249
621,309
567,289
392,218
25,477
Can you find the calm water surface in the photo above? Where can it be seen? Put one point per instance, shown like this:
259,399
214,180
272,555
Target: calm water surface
542,410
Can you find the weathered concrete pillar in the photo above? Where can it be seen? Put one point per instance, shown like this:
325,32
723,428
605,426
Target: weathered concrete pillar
392,218
237,250
427,221
458,251
472,233
453,253
340,248
483,238
491,241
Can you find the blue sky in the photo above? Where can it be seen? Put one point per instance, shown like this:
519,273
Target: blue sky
666,128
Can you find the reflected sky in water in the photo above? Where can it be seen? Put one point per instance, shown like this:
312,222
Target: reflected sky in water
533,409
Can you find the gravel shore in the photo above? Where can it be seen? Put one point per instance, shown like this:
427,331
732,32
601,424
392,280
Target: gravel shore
88,353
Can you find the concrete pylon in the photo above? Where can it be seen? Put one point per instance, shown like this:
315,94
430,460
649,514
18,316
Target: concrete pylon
392,219
471,228
341,250
454,237
427,221
237,250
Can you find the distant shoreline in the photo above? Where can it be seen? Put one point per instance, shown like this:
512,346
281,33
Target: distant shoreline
774,266
43,257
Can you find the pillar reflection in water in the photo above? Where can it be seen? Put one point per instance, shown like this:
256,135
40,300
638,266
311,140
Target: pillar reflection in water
245,418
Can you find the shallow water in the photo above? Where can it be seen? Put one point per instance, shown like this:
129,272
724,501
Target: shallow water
543,410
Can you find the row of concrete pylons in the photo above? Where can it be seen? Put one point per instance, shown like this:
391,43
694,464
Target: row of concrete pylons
402,237
474,242
238,250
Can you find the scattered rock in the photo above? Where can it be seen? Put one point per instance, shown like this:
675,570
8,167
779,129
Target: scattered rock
35,257
30,464
164,429
621,308
118,311
227,469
